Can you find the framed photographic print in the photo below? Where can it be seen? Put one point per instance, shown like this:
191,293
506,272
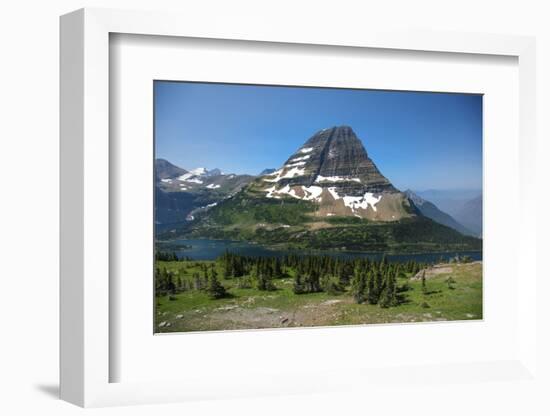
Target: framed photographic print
293,224
293,212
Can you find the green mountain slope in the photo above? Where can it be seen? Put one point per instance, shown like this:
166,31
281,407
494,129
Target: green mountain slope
291,223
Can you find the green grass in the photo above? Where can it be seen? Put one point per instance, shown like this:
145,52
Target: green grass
250,308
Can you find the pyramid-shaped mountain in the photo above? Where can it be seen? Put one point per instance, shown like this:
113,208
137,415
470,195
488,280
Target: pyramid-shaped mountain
337,157
333,169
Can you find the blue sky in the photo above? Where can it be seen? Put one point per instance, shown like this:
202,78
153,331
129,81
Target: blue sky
417,140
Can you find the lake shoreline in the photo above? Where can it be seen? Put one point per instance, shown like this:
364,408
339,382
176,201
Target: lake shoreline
210,249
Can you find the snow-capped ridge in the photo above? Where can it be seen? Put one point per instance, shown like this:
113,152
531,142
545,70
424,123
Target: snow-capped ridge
198,171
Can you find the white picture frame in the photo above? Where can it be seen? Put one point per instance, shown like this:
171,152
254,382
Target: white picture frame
86,355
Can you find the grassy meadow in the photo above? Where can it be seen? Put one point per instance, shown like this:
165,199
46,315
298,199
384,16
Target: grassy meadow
418,293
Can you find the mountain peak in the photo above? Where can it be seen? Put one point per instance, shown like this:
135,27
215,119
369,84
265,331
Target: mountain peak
164,169
335,156
332,168
416,199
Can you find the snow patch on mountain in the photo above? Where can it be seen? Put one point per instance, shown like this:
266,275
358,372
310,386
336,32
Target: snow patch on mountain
356,202
321,178
297,159
271,191
291,173
213,186
334,193
194,180
290,165
306,150
199,171
311,193
185,176
277,175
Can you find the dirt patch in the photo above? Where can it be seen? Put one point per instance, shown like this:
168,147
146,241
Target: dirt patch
433,271
331,302
261,317
444,268
313,314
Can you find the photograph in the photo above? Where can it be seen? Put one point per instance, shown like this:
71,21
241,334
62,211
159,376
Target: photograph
291,206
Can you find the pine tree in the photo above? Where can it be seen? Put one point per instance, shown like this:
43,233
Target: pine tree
331,285
227,269
378,284
312,282
358,287
215,289
265,282
198,283
424,287
278,271
298,287
389,296
372,296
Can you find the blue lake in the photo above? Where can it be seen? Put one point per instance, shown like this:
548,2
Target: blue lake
204,249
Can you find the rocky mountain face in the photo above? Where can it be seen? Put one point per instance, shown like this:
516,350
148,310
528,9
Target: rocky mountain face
430,210
333,169
267,171
166,170
450,201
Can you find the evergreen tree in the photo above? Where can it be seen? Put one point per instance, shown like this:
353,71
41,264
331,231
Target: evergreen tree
278,270
227,266
312,283
378,284
358,287
265,282
331,285
198,283
215,289
372,295
389,296
298,287
424,287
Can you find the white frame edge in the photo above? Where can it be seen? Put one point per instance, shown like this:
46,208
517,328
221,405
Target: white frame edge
84,181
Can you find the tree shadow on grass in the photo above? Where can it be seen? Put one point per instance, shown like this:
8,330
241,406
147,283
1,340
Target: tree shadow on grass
402,299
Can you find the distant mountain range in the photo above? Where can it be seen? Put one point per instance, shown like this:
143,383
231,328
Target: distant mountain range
471,215
430,210
182,193
327,195
465,206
